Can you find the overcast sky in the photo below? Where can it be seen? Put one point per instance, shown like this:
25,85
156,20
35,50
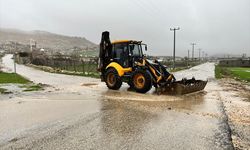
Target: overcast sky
217,26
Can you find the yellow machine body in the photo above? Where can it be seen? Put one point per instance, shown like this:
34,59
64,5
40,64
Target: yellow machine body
124,61
121,71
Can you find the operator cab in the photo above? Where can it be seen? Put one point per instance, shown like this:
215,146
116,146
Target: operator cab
125,52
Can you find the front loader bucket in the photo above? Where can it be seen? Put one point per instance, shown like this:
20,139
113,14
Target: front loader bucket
182,87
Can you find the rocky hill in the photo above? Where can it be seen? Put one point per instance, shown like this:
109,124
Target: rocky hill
47,40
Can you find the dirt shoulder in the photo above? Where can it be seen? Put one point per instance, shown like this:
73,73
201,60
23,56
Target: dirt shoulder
236,98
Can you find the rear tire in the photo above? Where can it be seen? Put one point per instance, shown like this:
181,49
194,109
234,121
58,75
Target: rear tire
112,79
141,81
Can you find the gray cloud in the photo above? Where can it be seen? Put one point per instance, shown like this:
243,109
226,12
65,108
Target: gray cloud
217,26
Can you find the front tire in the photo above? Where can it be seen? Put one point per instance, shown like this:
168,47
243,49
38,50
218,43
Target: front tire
130,83
142,81
112,79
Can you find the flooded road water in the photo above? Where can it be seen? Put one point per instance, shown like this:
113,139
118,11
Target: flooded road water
80,113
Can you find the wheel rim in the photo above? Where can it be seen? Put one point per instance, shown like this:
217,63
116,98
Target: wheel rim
139,81
111,79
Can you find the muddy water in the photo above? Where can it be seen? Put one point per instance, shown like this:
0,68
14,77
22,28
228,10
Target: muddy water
80,113
57,120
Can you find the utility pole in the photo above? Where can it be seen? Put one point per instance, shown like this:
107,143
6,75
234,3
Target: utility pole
174,29
188,59
30,45
15,58
31,50
199,54
193,44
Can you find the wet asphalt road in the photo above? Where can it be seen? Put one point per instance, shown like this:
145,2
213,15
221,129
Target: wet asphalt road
72,116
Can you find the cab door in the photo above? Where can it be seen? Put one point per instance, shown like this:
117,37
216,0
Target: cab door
121,54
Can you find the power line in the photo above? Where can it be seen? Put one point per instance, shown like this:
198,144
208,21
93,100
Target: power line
159,10
145,8
148,6
150,9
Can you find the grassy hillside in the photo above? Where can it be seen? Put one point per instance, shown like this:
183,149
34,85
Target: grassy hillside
46,40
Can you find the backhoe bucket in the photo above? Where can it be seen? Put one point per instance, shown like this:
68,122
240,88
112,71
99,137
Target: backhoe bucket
182,87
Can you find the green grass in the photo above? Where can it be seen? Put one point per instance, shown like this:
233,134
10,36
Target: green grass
17,79
219,71
12,78
31,87
2,90
239,72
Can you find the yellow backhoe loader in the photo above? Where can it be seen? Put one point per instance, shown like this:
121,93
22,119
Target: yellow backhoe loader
124,61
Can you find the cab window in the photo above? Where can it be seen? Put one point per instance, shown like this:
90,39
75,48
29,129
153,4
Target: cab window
135,50
120,53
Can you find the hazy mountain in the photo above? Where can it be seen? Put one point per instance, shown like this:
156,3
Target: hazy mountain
227,55
45,40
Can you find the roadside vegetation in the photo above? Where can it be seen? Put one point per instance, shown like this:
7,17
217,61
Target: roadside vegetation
69,70
90,70
13,78
94,74
2,90
239,73
31,87
178,69
88,74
